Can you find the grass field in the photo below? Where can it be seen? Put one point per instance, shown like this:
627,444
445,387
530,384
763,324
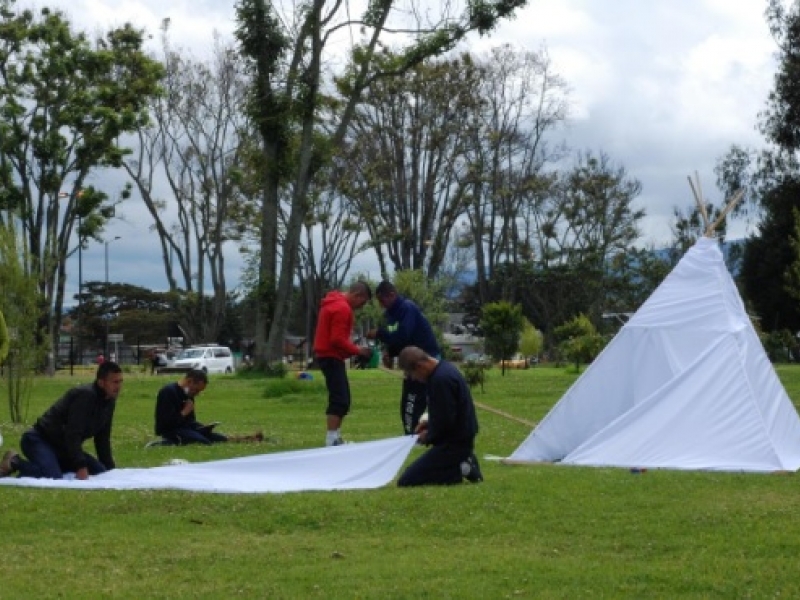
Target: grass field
526,532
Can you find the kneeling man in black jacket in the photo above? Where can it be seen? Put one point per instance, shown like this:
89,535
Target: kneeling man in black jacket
451,426
54,445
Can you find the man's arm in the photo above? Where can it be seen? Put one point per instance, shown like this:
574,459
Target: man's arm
341,329
102,442
398,335
78,418
168,410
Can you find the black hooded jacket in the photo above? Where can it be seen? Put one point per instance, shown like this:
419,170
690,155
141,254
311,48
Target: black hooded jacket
83,412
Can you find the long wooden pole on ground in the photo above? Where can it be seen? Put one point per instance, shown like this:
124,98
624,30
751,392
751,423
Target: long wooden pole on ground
481,405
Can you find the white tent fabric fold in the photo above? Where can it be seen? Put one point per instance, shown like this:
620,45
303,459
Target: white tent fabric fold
364,465
685,384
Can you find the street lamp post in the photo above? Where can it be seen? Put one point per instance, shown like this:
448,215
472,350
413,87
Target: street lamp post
105,294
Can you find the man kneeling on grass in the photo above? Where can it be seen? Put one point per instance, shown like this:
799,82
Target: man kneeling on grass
54,445
175,417
451,426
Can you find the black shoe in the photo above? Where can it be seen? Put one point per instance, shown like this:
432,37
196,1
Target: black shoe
471,469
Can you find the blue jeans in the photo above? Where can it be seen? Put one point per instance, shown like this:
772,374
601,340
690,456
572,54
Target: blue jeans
43,462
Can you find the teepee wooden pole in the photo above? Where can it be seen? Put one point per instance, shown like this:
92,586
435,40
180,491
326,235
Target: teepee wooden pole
485,407
698,197
737,197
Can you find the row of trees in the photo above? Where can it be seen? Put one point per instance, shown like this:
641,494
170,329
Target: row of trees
250,133
432,159
771,263
260,146
65,103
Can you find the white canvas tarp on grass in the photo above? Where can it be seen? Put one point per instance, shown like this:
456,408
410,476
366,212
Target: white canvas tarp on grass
364,465
685,384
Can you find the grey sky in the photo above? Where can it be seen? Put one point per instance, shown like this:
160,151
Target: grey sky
664,87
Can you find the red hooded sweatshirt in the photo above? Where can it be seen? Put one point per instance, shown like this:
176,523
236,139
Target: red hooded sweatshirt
334,328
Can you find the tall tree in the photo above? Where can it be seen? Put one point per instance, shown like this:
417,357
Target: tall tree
403,152
287,56
5,340
522,102
329,244
583,230
65,104
775,181
137,313
187,170
592,216
769,256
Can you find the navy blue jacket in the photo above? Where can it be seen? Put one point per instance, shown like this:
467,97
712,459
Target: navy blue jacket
451,411
169,404
407,326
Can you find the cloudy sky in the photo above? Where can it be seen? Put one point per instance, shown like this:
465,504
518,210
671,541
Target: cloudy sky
664,87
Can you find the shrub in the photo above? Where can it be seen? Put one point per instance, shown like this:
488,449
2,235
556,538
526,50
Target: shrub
475,374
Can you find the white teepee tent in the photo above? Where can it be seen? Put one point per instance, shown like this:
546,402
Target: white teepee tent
685,384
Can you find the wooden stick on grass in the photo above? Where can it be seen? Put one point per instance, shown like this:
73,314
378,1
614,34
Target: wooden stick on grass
485,407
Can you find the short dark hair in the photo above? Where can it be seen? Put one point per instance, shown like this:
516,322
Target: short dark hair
197,375
107,368
385,288
410,357
362,288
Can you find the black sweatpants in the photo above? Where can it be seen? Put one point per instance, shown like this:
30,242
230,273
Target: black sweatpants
439,465
413,403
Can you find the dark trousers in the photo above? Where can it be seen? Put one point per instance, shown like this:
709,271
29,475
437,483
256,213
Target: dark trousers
440,465
43,461
186,435
335,372
413,403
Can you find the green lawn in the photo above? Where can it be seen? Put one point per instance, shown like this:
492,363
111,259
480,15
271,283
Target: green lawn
526,532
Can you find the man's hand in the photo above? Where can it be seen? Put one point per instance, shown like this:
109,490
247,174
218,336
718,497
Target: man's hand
371,334
82,473
422,432
366,352
188,407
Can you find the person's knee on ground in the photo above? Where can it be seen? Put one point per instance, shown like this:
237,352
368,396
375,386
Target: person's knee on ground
440,465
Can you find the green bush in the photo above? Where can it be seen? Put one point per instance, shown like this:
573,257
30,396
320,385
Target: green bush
475,374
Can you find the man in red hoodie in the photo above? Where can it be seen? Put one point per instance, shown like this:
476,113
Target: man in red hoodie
332,346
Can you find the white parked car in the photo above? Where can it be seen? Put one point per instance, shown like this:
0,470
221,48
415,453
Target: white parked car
211,359
476,358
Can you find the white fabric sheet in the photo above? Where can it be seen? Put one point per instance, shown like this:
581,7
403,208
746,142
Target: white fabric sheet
685,384
363,465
